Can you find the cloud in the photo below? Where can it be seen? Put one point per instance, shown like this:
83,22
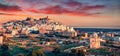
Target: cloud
72,3
54,10
8,8
33,10
72,7
93,7
6,14
57,9
69,7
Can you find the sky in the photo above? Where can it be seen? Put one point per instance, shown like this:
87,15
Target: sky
76,13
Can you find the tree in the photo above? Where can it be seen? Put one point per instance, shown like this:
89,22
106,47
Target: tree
4,50
78,52
75,51
37,53
56,50
81,53
4,47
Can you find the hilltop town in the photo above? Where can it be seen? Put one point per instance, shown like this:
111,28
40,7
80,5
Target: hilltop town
35,27
44,36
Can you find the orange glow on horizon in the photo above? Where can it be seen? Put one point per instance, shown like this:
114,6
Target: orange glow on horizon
70,20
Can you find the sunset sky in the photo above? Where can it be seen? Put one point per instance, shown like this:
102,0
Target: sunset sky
76,13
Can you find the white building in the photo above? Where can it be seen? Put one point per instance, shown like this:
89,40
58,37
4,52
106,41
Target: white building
117,39
1,39
66,33
86,35
95,41
14,32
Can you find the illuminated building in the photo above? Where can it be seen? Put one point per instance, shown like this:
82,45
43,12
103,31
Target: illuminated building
86,35
1,39
14,32
95,41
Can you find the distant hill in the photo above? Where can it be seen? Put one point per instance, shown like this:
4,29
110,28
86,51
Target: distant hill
97,30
